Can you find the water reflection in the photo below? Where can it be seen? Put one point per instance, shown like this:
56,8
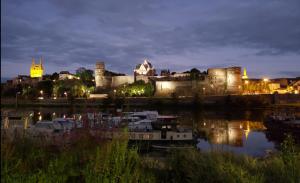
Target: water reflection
238,131
239,136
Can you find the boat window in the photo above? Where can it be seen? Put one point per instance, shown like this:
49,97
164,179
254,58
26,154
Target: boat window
163,127
184,135
178,136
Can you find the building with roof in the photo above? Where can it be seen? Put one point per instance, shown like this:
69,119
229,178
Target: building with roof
144,69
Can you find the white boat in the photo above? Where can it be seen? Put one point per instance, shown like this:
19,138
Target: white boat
159,128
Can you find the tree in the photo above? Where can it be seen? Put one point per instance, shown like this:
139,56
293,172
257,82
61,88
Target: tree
86,76
54,76
45,86
139,88
75,88
194,74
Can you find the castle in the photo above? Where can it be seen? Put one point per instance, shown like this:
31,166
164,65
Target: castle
215,81
36,70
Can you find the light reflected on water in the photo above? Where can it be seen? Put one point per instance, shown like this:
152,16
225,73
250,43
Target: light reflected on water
240,131
238,136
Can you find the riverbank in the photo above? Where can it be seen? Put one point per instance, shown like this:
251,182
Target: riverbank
89,159
240,101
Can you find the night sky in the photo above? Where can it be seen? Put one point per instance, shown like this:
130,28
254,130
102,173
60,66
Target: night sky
263,36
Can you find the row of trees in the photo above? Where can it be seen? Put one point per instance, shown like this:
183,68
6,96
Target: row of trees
49,88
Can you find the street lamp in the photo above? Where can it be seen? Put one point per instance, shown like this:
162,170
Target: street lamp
41,97
66,94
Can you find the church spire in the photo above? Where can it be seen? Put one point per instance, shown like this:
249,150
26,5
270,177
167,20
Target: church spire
245,74
32,62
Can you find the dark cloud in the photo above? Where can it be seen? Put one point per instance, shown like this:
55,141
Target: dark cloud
172,34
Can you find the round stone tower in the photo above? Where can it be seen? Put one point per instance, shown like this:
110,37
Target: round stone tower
99,75
234,79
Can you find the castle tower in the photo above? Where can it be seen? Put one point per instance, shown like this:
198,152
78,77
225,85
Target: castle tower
99,75
245,74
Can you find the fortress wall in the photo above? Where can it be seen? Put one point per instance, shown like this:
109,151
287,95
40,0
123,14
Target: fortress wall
234,80
166,88
120,80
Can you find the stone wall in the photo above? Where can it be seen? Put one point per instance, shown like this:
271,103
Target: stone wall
225,80
180,88
120,80
234,80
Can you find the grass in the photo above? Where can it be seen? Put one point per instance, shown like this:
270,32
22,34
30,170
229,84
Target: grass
89,159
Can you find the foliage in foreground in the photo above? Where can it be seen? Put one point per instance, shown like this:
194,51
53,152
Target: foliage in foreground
192,166
84,161
88,160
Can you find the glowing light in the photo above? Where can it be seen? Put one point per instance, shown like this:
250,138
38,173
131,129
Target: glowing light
246,82
266,80
40,118
41,92
296,92
36,70
64,116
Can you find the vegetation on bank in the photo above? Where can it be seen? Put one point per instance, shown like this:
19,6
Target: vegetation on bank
94,160
51,86
136,89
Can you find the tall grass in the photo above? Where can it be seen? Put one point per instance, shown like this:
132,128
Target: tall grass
85,160
92,160
195,166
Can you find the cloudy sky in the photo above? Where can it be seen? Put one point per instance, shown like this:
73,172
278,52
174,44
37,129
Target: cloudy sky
263,36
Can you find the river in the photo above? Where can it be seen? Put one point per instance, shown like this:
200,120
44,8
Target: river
237,131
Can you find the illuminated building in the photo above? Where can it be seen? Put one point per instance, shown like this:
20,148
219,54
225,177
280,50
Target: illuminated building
145,69
36,70
63,75
245,74
225,80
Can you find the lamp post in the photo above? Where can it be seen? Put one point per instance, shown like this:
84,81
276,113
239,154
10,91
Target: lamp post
42,94
66,94
18,93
